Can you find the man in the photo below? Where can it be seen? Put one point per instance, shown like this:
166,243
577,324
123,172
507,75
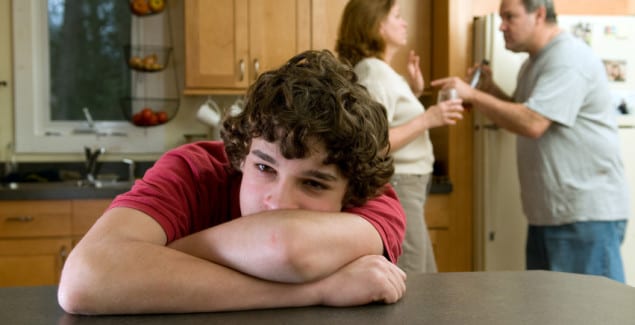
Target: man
573,187
292,210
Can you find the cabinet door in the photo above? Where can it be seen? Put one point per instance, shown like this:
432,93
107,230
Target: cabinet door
26,262
85,213
278,30
326,16
216,44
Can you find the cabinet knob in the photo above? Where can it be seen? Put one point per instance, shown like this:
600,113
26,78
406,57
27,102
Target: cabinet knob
256,68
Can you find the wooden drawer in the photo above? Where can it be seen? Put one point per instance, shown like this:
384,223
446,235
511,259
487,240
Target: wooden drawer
32,261
19,219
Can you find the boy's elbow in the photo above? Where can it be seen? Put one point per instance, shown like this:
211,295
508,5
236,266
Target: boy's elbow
76,293
73,298
70,299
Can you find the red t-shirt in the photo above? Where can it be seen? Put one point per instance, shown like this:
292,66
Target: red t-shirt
193,187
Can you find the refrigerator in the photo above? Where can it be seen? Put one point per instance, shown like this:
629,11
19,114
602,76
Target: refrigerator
500,226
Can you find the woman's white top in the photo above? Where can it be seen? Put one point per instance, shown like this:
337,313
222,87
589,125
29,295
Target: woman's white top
389,88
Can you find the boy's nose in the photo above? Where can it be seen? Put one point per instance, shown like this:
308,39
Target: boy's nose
281,196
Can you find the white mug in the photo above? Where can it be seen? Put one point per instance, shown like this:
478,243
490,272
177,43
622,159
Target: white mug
209,113
236,107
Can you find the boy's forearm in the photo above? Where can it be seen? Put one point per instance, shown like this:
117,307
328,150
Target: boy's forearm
292,246
151,279
155,279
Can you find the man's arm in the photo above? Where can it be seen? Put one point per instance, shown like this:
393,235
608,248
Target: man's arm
292,246
122,266
515,117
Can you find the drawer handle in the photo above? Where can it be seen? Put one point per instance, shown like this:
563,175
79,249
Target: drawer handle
63,255
241,66
20,219
256,68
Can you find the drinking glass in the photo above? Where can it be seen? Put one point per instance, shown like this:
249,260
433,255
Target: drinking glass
447,94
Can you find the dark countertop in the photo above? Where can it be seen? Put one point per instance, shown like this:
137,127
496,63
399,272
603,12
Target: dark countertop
40,181
61,191
70,191
58,181
527,297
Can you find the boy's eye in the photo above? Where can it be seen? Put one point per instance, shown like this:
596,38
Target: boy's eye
264,168
315,185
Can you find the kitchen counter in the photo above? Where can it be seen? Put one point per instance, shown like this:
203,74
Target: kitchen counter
61,181
71,191
527,297
49,181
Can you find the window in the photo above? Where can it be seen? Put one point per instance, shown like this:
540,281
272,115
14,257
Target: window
77,57
68,55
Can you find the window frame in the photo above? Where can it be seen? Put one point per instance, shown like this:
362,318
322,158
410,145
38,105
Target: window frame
34,130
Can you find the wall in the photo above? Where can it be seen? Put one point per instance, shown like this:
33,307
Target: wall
569,7
185,121
6,98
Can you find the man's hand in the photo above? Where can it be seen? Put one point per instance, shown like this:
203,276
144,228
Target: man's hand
370,278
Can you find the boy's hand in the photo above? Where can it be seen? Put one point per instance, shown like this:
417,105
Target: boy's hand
370,278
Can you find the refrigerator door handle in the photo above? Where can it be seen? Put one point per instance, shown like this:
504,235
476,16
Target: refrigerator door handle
490,126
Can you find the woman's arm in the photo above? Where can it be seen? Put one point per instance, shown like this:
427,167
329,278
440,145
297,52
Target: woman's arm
444,113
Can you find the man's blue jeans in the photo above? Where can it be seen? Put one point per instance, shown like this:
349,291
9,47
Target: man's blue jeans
591,247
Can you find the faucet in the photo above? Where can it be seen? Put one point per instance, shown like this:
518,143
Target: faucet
91,163
131,169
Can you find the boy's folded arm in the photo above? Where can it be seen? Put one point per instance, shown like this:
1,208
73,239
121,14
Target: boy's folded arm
290,246
122,266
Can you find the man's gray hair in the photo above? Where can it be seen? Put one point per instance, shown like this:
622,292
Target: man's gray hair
533,5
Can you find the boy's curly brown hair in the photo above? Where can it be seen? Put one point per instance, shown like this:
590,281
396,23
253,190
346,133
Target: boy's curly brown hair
314,97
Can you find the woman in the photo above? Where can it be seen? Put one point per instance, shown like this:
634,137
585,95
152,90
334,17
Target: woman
371,32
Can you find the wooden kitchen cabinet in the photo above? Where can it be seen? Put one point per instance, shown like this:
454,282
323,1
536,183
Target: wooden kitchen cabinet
84,214
36,236
229,42
25,262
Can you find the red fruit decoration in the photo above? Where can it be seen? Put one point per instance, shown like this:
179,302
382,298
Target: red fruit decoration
140,7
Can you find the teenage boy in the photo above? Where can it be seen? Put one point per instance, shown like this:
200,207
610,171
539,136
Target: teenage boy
291,209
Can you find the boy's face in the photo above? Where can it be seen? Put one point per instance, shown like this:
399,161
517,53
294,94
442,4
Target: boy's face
272,182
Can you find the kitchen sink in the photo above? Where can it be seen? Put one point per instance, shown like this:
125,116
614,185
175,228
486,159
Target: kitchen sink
63,190
68,180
